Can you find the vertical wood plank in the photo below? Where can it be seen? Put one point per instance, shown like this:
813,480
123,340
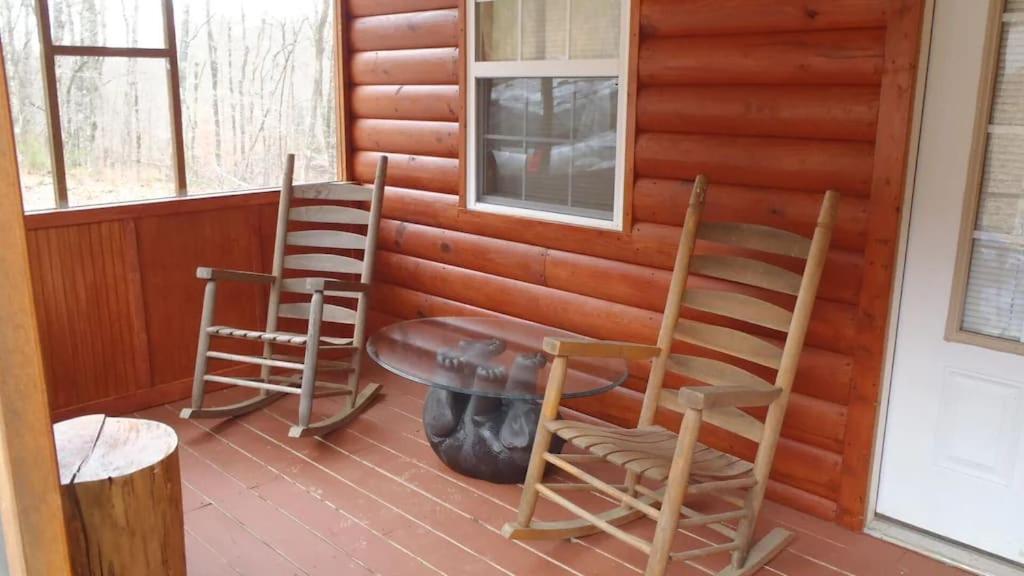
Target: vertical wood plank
30,505
342,89
60,179
896,110
131,271
174,97
89,304
169,250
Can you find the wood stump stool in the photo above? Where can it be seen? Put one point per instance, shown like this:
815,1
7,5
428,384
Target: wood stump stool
121,485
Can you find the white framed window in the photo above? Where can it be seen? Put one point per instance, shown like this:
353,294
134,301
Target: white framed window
546,109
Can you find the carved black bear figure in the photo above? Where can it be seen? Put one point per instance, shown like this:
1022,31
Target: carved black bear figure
483,435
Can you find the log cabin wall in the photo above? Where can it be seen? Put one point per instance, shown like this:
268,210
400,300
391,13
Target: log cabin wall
774,101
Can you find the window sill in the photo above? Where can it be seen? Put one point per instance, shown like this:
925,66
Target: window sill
157,207
541,215
485,213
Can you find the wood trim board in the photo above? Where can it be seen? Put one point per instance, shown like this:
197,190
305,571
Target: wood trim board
891,154
30,501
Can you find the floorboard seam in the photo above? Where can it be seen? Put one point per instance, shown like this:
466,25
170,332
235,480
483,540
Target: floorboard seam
369,494
284,476
354,456
477,492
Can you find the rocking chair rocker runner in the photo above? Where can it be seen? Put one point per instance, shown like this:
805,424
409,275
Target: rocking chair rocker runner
309,365
680,465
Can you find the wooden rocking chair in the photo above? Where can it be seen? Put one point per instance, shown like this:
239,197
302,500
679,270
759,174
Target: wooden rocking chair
678,464
310,365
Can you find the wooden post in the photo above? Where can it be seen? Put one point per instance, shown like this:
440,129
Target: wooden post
30,505
121,486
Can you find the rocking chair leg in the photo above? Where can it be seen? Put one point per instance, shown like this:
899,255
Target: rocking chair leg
198,382
541,444
268,352
316,309
675,490
353,379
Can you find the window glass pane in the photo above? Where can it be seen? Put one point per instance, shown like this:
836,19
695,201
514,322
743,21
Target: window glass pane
545,29
595,29
1002,195
566,159
116,122
257,82
505,109
1008,101
501,176
115,23
497,23
20,36
594,144
994,302
995,290
549,108
548,139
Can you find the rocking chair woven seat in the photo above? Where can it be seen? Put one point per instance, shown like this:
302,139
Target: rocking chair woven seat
278,337
648,451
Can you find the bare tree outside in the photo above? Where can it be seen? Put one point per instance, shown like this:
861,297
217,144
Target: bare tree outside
256,82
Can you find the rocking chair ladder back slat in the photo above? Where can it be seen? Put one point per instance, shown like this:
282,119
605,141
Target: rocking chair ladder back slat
295,295
681,465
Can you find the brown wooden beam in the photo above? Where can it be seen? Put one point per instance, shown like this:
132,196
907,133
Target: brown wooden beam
60,180
174,93
892,151
30,503
111,52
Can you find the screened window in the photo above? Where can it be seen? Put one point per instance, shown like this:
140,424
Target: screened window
547,100
113,103
993,302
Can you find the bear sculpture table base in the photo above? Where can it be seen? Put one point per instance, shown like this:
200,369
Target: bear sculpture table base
487,378
482,436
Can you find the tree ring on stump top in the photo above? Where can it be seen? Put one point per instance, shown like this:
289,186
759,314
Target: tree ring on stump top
97,447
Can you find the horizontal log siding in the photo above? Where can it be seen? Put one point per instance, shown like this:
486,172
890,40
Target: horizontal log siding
773,105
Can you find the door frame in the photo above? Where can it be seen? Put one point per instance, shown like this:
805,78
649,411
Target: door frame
877,525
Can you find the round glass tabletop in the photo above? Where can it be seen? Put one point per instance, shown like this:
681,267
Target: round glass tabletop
500,358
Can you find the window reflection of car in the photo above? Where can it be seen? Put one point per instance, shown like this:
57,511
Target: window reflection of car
548,158
596,153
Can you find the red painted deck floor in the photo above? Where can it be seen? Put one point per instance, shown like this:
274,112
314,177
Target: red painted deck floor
373,499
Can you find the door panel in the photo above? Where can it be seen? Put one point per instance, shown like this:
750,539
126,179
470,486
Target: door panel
953,455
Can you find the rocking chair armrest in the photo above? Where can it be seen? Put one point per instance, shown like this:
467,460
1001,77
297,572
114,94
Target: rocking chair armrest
322,284
234,275
710,397
599,349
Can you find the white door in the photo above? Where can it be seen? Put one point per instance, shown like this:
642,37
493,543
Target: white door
953,449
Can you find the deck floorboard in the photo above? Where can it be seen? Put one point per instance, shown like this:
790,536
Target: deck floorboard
372,499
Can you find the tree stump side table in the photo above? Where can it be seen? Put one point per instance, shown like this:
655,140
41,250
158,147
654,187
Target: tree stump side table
121,486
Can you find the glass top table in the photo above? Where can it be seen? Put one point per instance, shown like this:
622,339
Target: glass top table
486,377
499,358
